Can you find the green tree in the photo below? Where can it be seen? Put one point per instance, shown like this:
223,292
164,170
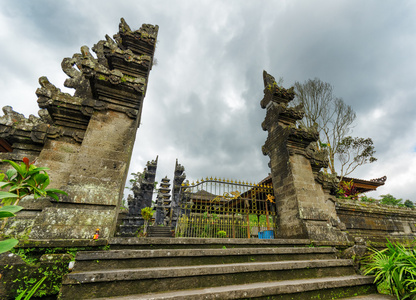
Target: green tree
354,152
334,120
147,214
409,204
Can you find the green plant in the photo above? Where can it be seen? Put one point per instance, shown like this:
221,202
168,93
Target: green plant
32,290
347,190
409,204
368,199
21,181
8,211
147,213
394,269
222,234
390,200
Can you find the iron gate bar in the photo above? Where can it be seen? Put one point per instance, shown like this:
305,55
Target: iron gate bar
224,208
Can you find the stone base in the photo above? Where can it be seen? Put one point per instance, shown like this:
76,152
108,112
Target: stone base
73,223
324,231
130,226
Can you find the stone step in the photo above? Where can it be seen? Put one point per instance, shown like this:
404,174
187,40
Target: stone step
372,297
110,283
301,289
159,228
194,243
159,231
124,259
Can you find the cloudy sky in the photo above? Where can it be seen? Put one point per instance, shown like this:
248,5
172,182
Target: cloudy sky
202,104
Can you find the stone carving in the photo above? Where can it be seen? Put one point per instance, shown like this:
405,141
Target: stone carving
328,181
28,135
76,79
318,157
142,197
116,66
380,180
179,177
160,211
164,212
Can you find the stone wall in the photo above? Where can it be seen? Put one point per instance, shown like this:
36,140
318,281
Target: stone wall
86,139
376,223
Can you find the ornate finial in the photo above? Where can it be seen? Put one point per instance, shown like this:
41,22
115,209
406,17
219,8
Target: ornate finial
123,27
269,80
379,180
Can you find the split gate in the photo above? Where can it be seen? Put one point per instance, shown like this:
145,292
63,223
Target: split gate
219,208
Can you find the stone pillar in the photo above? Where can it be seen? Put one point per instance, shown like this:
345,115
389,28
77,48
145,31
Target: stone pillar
164,199
178,179
160,211
303,210
90,146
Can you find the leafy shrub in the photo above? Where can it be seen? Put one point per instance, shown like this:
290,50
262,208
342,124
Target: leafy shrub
390,200
21,181
221,234
147,213
347,190
368,199
394,269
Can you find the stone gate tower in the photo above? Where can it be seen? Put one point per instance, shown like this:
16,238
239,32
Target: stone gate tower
86,139
304,208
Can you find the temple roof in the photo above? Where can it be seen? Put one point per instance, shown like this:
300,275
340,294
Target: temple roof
362,185
5,146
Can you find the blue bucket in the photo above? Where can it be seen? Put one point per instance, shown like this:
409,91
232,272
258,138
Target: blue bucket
266,235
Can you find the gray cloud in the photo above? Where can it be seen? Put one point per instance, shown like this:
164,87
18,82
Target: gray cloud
202,103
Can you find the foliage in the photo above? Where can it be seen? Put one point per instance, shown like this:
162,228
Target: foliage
368,199
409,204
222,234
21,181
394,269
32,290
24,180
137,177
334,120
147,213
347,190
6,212
25,276
354,152
390,200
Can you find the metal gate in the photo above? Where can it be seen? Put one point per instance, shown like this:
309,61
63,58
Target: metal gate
219,208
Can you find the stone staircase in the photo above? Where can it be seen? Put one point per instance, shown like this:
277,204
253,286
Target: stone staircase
155,268
159,231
